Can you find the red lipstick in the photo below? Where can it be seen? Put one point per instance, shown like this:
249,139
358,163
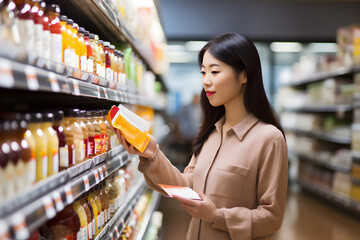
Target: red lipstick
209,93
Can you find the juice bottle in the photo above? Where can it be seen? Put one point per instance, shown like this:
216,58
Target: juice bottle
122,75
26,26
101,59
64,35
82,234
52,143
98,140
93,226
65,225
110,134
9,163
59,127
104,138
82,49
100,212
46,41
85,133
108,70
38,14
69,52
70,130
29,137
106,201
9,27
113,63
89,215
75,30
28,157
103,202
77,134
112,192
120,180
53,12
89,53
96,213
94,48
91,134
41,147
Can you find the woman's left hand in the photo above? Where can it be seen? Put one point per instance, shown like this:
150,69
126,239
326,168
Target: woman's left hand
204,209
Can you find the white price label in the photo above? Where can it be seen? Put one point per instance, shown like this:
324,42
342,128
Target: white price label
106,171
76,87
86,183
121,161
106,95
19,225
68,194
49,207
4,231
101,174
53,82
111,236
31,78
117,231
58,201
6,75
98,92
96,174
116,95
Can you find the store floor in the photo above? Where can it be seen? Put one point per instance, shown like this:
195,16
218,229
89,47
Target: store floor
307,217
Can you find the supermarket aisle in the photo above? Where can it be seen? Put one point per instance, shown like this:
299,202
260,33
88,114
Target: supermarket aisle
306,218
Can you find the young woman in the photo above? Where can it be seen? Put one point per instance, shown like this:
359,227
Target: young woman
239,165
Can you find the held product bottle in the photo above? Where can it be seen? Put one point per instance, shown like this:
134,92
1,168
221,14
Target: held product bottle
82,234
82,49
46,41
52,143
53,12
41,146
29,137
64,35
81,121
89,53
91,134
59,127
38,14
28,158
89,216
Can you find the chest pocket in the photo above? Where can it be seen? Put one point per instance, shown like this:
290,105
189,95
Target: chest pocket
229,181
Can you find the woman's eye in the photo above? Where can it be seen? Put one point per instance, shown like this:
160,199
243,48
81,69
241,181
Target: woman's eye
214,72
202,73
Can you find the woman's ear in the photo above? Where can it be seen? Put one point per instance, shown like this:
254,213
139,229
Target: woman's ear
243,77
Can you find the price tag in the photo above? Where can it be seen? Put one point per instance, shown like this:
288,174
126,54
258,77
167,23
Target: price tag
6,75
86,183
31,78
98,91
121,161
76,87
117,231
106,171
111,236
95,172
101,174
58,201
106,95
4,231
123,222
68,194
49,207
116,95
19,225
53,82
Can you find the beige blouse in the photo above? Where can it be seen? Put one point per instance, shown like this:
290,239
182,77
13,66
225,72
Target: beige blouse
245,175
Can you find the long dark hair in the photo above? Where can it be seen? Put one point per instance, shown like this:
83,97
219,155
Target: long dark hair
240,53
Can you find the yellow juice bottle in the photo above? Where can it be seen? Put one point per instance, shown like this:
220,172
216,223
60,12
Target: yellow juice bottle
95,211
93,39
100,212
65,37
75,30
78,136
29,136
82,234
41,147
82,49
53,144
69,51
100,58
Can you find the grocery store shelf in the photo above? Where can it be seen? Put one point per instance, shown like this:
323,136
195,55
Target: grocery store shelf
20,76
314,160
118,218
42,201
155,198
339,72
326,108
341,201
322,136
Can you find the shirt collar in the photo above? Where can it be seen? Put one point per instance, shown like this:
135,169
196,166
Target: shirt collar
241,128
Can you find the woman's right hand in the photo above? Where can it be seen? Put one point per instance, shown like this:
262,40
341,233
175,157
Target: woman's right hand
149,150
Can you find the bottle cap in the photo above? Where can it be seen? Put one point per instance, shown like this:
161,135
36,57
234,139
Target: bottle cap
101,42
70,22
76,26
48,117
63,18
58,115
36,117
112,47
87,33
106,44
91,36
82,30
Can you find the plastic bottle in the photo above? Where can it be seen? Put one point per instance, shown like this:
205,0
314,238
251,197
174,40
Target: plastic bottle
112,192
9,29
94,48
89,215
120,180
91,135
52,143
93,226
70,132
89,53
110,134
108,70
100,212
65,36
41,147
69,52
101,59
28,158
82,49
104,204
122,76
82,234
77,133
38,14
113,64
53,12
104,195
98,140
59,127
29,137
46,41
104,138
3,164
96,212
65,225
76,60
82,123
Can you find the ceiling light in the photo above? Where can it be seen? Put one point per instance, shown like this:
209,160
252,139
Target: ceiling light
195,46
286,47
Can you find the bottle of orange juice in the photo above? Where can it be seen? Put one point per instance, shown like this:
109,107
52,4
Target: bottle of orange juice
65,36
89,53
69,51
101,59
53,144
75,30
53,13
82,49
82,234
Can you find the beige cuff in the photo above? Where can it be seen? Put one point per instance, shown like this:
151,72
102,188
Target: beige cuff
220,222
